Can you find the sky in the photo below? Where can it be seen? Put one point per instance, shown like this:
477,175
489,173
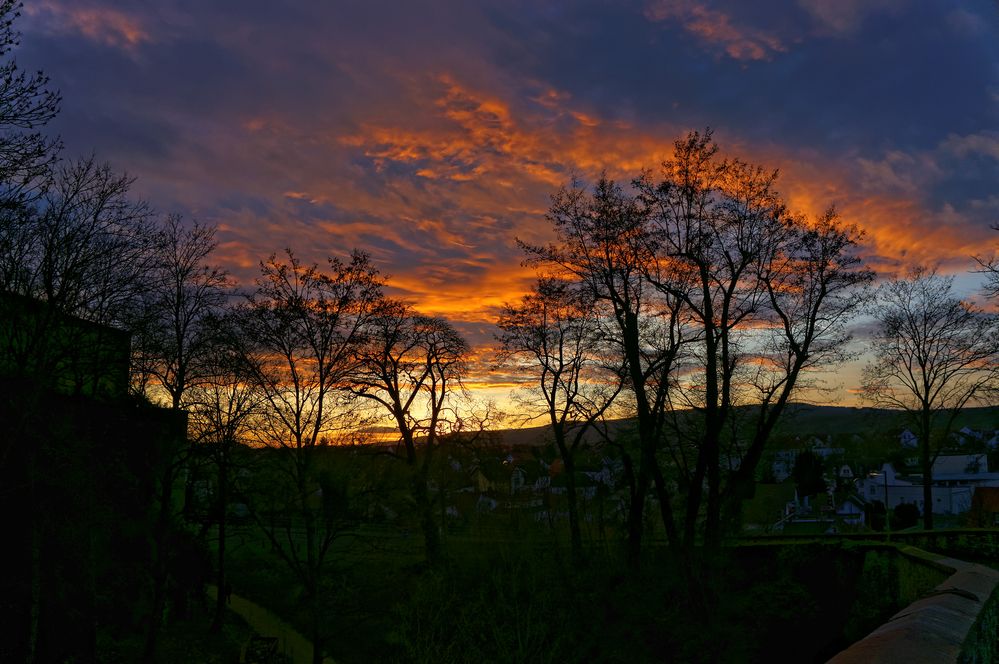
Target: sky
432,134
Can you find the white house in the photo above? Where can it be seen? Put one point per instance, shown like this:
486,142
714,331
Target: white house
851,511
893,490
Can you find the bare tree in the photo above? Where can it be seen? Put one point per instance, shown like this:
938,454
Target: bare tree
934,354
92,254
411,366
719,301
603,242
26,104
222,406
718,220
172,345
306,326
990,268
815,286
185,292
769,294
84,249
553,336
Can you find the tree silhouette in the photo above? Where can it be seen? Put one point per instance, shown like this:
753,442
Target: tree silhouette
222,406
768,293
553,336
174,340
719,301
84,249
26,104
934,354
602,242
306,326
411,365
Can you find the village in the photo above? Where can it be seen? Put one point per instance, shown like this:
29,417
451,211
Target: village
810,486
813,486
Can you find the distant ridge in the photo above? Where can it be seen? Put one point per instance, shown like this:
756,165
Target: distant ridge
812,419
799,419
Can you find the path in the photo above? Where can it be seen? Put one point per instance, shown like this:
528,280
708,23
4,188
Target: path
263,622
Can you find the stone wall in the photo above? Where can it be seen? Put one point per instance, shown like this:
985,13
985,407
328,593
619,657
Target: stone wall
955,622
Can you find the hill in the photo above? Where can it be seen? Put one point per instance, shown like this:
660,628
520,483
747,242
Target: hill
800,419
810,419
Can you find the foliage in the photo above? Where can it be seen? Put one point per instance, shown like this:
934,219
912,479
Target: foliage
904,516
808,474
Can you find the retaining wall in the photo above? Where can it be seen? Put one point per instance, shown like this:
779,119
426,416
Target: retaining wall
956,622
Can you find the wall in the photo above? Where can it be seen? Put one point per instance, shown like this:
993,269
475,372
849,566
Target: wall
955,622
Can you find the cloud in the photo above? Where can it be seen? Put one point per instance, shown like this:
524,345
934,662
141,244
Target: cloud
434,139
716,29
984,143
967,23
847,16
104,25
898,172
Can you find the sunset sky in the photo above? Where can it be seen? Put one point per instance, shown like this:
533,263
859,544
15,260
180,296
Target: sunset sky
431,134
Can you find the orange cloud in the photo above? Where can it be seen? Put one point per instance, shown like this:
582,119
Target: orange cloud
438,198
716,29
103,25
478,172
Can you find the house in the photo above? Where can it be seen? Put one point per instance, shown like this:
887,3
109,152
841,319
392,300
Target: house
95,461
486,504
784,460
63,353
824,449
893,489
851,511
518,479
967,436
909,440
783,464
954,464
963,470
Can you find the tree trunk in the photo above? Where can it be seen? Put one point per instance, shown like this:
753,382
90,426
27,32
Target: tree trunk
712,521
666,510
159,566
34,611
636,508
221,595
575,536
431,537
927,466
317,641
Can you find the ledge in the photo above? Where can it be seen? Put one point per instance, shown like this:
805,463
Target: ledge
953,623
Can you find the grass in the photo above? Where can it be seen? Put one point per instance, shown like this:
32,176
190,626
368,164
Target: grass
185,640
523,600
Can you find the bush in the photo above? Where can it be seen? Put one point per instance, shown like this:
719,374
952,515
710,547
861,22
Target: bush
905,515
